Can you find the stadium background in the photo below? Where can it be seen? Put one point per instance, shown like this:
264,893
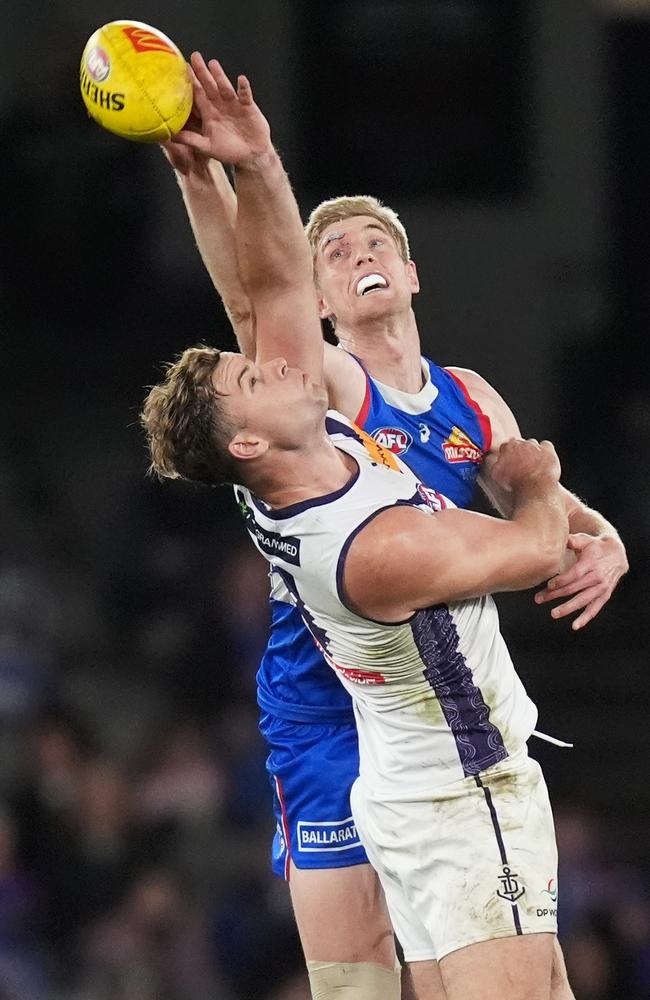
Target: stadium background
514,140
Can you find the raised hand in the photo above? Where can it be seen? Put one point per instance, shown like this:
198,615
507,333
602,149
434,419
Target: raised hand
183,158
589,583
231,127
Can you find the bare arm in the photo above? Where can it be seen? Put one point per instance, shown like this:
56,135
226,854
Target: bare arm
405,559
589,579
273,255
211,207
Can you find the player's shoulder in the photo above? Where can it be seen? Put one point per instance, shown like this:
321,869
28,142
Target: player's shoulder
346,380
490,402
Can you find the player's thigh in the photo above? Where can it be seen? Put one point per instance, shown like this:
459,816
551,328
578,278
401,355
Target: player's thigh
560,988
512,968
341,915
422,981
312,769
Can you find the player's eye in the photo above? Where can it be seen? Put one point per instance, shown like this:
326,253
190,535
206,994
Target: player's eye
253,381
376,242
336,254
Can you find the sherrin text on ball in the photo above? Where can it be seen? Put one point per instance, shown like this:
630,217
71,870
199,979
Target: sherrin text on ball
135,81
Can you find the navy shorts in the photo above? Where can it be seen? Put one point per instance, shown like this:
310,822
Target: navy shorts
312,769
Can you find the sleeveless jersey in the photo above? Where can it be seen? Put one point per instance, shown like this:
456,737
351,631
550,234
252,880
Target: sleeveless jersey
436,698
441,434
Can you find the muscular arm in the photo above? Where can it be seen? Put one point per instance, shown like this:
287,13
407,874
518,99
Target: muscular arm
211,207
589,579
273,255
405,559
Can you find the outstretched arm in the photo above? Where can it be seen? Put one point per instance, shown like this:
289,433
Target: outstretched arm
273,255
600,557
211,207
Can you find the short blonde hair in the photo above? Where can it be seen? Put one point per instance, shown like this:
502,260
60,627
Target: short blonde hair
348,206
186,432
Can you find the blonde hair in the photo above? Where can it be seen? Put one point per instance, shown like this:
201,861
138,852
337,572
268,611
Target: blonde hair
337,209
186,432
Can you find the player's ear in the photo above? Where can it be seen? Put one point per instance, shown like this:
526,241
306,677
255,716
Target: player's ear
324,309
246,446
412,273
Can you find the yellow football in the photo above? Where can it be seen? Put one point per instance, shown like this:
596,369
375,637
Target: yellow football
135,82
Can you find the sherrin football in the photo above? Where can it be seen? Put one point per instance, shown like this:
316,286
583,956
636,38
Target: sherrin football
135,82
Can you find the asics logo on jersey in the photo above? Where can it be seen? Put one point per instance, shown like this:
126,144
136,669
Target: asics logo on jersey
460,448
393,439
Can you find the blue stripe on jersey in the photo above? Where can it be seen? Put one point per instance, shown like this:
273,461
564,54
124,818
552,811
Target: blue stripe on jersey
294,681
478,741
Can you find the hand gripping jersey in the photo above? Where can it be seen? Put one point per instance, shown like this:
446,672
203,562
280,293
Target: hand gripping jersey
436,697
441,434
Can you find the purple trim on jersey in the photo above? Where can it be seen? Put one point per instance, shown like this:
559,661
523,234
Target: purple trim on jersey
478,742
334,426
319,636
340,566
284,513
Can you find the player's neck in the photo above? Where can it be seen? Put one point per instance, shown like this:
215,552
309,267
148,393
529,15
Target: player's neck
291,477
390,350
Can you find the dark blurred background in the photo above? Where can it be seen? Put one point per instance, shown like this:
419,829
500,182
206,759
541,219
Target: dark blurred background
514,140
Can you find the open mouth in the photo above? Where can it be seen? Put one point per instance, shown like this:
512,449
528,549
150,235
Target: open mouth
370,283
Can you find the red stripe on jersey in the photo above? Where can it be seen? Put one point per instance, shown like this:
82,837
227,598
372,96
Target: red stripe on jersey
483,418
285,828
362,415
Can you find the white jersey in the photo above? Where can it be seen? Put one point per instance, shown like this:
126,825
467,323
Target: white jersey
436,697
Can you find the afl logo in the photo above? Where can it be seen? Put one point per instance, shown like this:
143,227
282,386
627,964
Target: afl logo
98,64
393,439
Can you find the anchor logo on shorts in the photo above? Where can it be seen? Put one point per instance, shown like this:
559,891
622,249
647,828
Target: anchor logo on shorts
510,888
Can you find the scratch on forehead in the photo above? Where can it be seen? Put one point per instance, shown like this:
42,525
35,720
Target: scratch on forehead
328,239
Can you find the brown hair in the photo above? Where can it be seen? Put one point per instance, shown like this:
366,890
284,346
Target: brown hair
186,433
346,207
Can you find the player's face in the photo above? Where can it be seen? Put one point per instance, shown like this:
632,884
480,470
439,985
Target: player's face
361,275
272,401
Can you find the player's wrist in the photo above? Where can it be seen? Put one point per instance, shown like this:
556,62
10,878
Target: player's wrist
539,487
259,160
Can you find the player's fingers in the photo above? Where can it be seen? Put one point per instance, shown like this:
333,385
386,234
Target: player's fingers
244,90
195,140
577,603
204,76
554,593
588,614
203,104
583,576
225,87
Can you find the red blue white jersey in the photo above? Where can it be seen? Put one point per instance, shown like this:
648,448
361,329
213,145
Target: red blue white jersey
442,436
436,698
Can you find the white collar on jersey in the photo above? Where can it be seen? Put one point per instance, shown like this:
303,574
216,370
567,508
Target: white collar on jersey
411,402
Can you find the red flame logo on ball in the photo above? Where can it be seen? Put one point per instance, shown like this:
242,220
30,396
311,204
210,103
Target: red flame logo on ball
145,41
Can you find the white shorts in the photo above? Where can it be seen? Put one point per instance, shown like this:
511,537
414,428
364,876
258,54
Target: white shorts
475,860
